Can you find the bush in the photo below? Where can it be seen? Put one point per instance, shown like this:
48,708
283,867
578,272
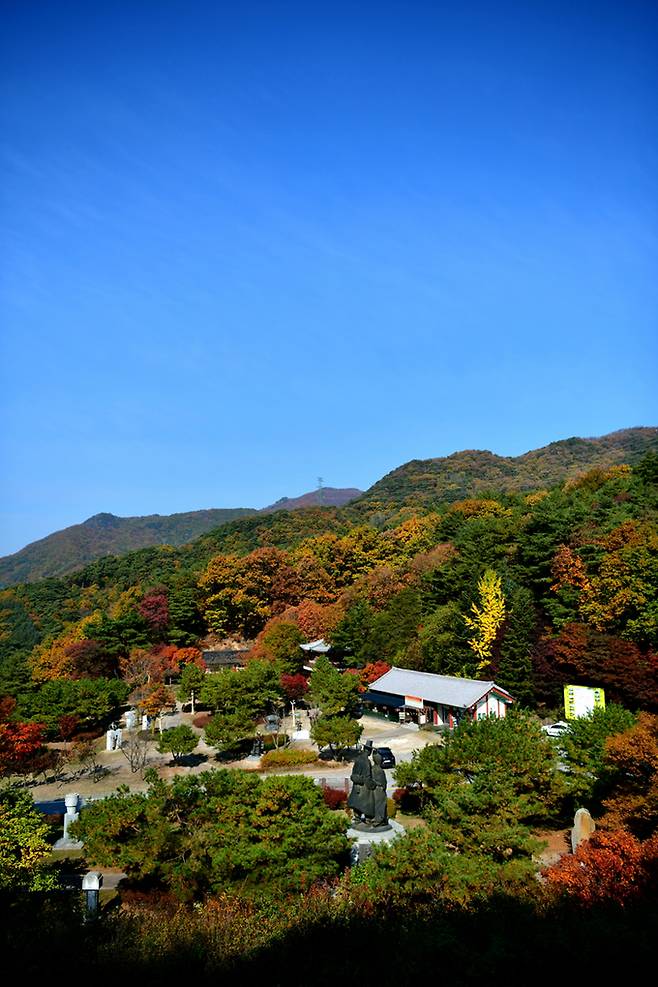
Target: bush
407,800
178,741
334,798
201,720
287,758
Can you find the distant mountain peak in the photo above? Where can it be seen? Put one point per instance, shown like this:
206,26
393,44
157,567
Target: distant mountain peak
425,482
104,518
322,497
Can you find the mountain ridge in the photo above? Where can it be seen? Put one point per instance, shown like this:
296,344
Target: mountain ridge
472,472
70,548
418,484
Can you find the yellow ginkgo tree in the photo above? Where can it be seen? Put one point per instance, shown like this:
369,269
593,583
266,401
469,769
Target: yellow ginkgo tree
487,616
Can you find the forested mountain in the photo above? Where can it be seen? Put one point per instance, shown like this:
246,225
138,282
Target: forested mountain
474,471
421,484
533,589
105,534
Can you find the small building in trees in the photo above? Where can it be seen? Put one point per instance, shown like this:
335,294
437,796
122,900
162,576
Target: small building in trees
231,659
315,648
312,649
440,700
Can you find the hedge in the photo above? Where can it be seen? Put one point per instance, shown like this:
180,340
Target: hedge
287,757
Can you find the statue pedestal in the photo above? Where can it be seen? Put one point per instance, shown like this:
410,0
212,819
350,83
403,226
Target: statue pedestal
365,839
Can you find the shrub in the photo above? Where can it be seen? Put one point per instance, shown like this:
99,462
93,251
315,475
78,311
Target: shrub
612,866
178,741
287,758
334,798
408,800
201,720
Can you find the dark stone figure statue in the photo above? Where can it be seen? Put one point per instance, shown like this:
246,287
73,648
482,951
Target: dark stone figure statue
379,792
361,800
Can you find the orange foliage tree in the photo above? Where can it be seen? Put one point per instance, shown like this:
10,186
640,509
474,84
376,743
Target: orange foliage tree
156,700
417,534
610,866
313,619
631,764
188,656
568,569
241,594
373,671
621,597
20,743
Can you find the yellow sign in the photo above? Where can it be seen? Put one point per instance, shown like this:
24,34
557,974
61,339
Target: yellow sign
579,700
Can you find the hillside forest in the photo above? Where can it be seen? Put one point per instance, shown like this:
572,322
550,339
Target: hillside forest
531,589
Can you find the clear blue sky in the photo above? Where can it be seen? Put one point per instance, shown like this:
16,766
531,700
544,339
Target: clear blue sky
245,245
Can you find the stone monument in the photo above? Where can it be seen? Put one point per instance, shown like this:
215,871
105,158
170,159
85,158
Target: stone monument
71,801
583,827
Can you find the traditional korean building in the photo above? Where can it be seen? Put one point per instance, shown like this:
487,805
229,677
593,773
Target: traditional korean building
218,661
312,650
440,700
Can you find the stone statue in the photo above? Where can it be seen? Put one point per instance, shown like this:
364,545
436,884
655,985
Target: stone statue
361,798
380,815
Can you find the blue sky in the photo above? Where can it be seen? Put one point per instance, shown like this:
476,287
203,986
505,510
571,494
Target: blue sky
248,245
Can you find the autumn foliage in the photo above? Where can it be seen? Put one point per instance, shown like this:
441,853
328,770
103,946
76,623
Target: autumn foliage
610,866
631,763
372,671
487,617
20,743
294,687
581,655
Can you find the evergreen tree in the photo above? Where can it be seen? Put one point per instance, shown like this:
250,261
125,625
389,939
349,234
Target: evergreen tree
351,637
192,679
336,731
514,667
444,644
178,741
332,691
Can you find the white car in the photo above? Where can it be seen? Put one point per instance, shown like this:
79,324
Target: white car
556,729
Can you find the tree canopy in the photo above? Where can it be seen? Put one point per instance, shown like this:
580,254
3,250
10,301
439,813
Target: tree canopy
24,845
218,830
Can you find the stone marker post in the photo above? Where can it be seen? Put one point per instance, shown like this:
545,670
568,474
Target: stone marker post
91,885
